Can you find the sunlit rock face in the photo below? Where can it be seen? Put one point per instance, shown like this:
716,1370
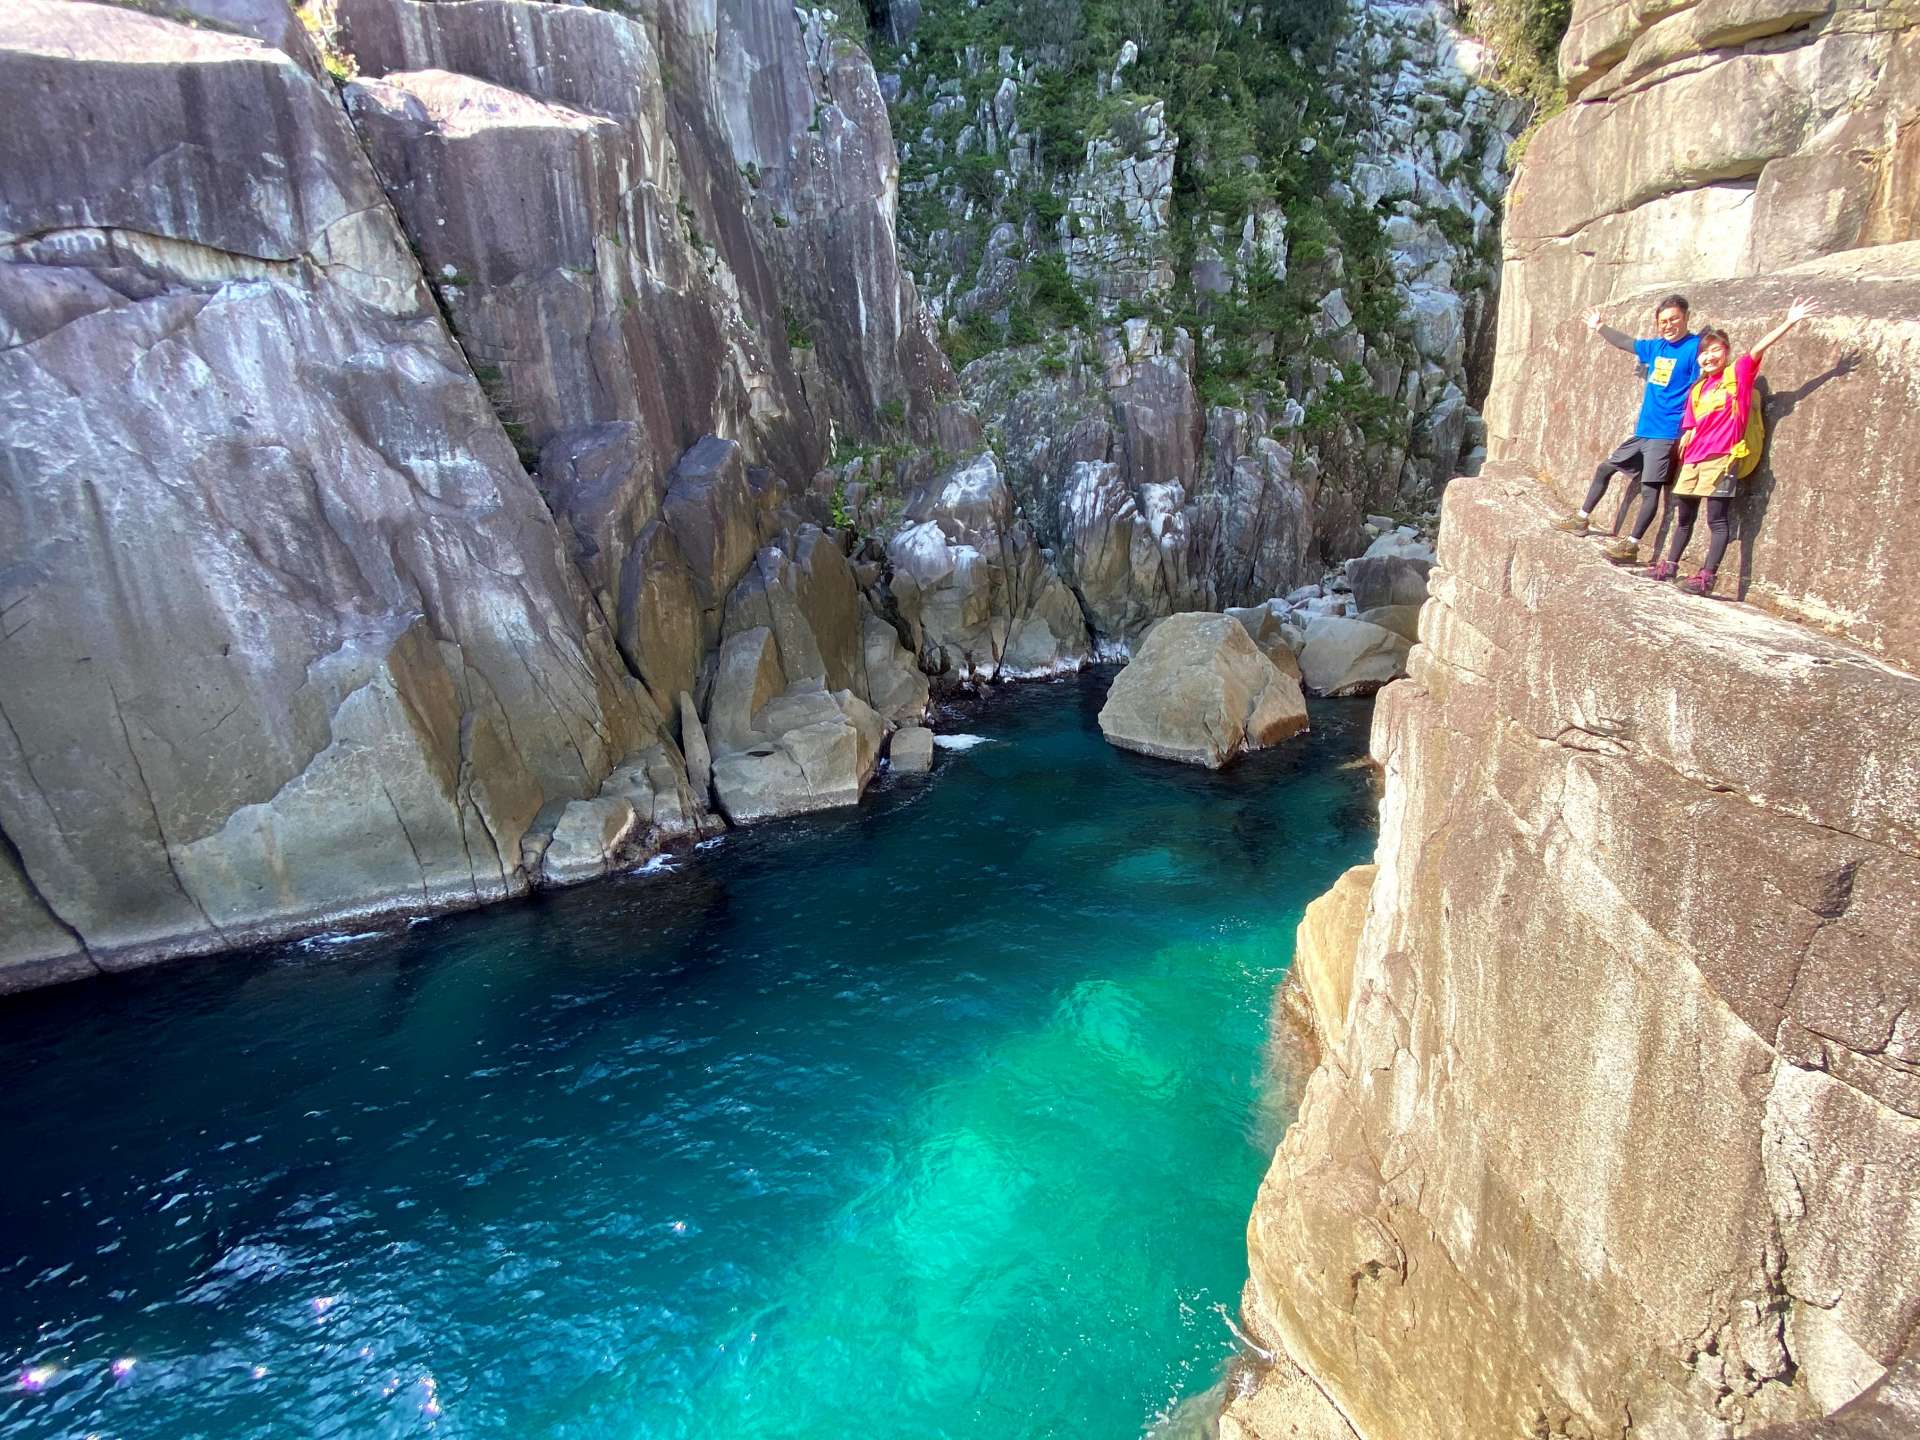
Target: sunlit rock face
289,631
1608,1136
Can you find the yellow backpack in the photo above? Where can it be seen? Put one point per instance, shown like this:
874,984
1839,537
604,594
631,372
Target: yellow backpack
1747,452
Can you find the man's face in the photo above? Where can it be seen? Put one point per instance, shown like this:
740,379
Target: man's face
1672,323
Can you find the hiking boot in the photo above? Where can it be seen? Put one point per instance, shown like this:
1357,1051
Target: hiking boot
1574,524
1700,583
1623,548
1662,570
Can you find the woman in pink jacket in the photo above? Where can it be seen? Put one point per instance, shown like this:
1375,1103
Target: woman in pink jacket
1712,443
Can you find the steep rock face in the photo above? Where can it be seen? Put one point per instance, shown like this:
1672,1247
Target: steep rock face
289,634
631,217
1569,1008
666,242
974,588
1808,180
1614,1137
1154,451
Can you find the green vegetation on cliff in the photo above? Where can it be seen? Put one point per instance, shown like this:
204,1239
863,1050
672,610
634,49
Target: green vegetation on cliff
1256,132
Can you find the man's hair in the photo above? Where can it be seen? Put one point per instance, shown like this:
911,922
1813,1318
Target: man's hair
1673,302
1707,337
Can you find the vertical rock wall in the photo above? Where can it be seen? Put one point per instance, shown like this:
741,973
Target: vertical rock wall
290,634
1614,1130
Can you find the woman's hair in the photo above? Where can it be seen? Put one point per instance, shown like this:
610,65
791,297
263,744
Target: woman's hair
1707,337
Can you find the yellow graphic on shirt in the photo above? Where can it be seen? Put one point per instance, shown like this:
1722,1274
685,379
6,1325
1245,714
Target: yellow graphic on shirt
1662,371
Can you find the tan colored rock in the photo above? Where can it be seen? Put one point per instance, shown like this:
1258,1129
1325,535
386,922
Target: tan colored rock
1285,1405
1200,691
748,676
693,745
911,750
1820,551
890,681
1324,946
1622,1121
809,750
588,837
1345,656
1402,620
1272,635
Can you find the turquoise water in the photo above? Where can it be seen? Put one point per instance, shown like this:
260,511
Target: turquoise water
939,1118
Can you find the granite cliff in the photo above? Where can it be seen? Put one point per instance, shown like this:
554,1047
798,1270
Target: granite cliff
400,412
454,448
1614,1124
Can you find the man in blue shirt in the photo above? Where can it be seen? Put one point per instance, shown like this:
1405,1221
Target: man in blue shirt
1671,365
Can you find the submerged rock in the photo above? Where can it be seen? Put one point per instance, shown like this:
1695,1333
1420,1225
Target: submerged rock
1200,691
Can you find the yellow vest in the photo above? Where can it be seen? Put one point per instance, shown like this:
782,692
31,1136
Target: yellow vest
1747,450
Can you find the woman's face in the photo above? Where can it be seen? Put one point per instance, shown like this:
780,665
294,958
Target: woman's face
1713,358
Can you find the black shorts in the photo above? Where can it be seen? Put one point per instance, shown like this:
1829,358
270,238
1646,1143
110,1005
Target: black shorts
1651,460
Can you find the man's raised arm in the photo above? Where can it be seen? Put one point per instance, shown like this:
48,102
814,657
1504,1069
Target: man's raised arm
1619,339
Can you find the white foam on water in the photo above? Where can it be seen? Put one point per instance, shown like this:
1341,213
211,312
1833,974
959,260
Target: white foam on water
658,865
329,941
709,844
959,742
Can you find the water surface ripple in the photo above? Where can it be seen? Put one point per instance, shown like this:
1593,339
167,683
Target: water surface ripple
940,1118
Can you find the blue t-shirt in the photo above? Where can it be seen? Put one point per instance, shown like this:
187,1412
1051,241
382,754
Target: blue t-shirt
1671,371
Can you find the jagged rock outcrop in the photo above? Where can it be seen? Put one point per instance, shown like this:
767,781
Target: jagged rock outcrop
1153,498
978,595
1200,691
1616,1138
633,216
289,634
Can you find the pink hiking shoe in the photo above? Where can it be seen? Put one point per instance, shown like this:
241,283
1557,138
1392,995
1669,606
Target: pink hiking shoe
1662,570
1700,583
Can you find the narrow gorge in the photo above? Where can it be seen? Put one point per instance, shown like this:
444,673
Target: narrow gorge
452,451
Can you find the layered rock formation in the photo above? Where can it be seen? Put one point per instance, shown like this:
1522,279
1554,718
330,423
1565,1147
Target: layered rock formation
290,633
1613,1132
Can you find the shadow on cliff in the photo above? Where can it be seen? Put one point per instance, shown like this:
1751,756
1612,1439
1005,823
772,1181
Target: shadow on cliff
1750,508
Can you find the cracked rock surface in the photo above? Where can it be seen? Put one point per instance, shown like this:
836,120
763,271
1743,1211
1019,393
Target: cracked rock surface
288,632
1608,1135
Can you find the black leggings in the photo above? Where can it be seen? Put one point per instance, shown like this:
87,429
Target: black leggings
1651,461
1719,513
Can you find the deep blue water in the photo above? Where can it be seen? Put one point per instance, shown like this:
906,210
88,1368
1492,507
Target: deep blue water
939,1118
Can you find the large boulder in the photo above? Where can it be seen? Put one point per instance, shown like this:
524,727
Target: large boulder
1201,691
1345,656
911,750
1276,639
811,750
780,747
588,839
1392,572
